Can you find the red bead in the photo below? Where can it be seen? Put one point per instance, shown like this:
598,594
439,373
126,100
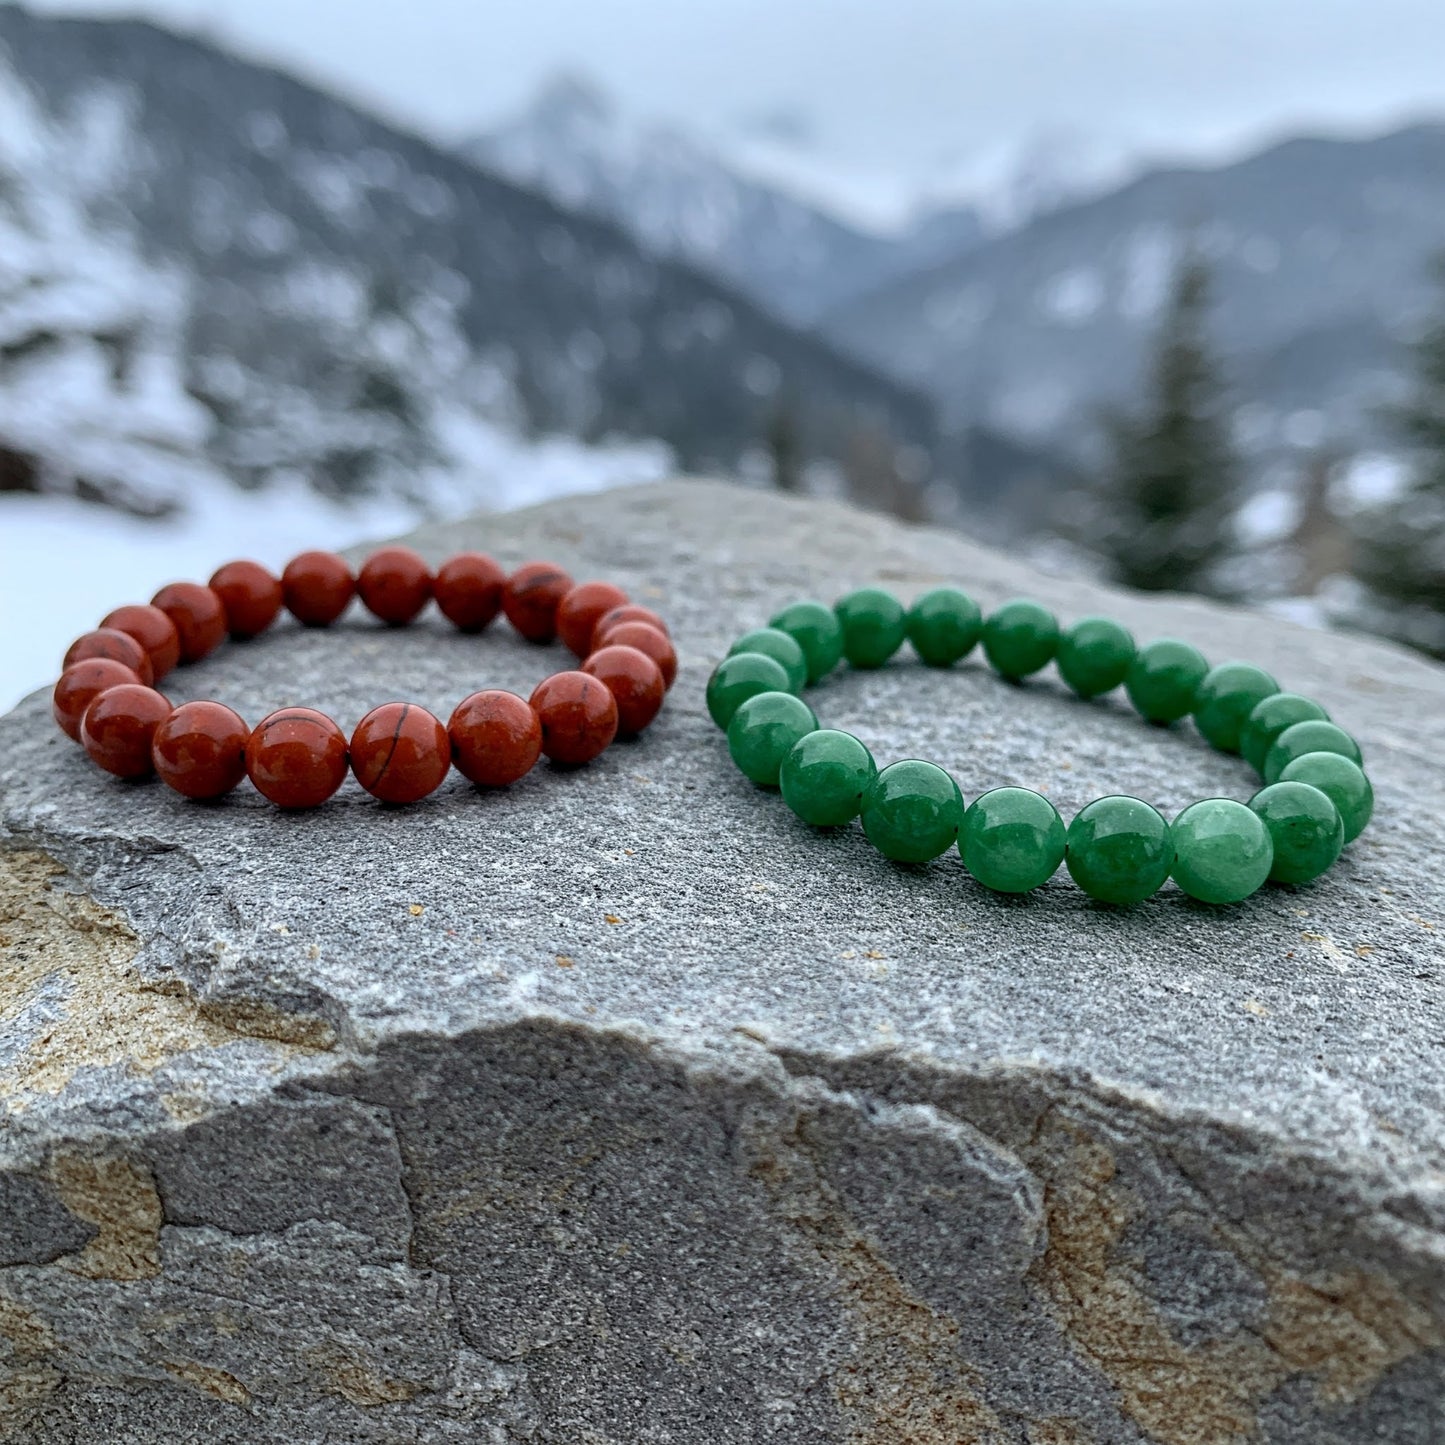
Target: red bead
200,749
531,597
153,630
628,612
199,617
394,584
496,738
645,638
468,590
296,757
80,684
250,594
579,610
400,752
578,715
119,646
635,682
118,728
316,587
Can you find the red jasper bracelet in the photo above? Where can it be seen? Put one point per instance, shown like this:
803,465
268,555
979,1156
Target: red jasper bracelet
107,696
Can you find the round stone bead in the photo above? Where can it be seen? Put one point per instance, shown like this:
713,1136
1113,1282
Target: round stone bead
251,595
468,590
578,715
635,682
627,612
199,617
943,625
1305,827
1223,851
1119,850
771,642
763,732
913,811
1269,718
1163,680
816,629
1311,736
531,597
153,630
1094,656
647,639
580,610
1226,697
824,777
118,646
736,679
874,626
394,585
119,726
496,738
1343,782
200,749
1012,839
400,752
296,757
317,588
1020,638
80,684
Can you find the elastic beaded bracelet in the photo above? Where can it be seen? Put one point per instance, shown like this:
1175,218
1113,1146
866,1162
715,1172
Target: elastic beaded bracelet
107,697
1118,849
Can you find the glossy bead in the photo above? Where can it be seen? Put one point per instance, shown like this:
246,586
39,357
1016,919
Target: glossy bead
1119,850
496,738
1164,679
1222,851
578,715
296,757
913,811
874,625
943,625
1314,735
200,750
1020,638
580,610
153,630
635,682
1012,840
199,616
394,584
531,597
468,590
784,650
317,587
816,629
824,777
736,679
763,731
1226,697
1095,655
80,684
400,753
119,725
1269,718
645,638
1341,781
118,646
628,612
1305,827
251,595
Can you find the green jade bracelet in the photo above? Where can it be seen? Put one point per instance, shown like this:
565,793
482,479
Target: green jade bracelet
1119,850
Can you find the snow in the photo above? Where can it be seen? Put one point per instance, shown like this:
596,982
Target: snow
1073,297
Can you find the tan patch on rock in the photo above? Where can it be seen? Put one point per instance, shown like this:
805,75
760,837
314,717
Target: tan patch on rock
220,1383
120,1199
309,1033
355,1379
1057,1431
27,1382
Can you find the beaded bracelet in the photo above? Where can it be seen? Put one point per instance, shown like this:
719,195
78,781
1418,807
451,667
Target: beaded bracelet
1118,849
107,698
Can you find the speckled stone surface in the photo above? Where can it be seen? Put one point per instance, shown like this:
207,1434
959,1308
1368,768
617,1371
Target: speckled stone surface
621,1107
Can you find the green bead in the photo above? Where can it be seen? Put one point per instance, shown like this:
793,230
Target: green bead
784,650
1269,718
824,777
873,626
1012,840
1312,736
763,731
1094,656
1164,678
1020,638
1306,829
1119,850
736,679
1223,851
943,626
816,629
1226,698
912,812
1341,781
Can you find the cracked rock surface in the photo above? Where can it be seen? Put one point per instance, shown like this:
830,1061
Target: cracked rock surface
620,1107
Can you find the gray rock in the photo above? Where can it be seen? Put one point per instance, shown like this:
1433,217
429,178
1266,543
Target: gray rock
620,1107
